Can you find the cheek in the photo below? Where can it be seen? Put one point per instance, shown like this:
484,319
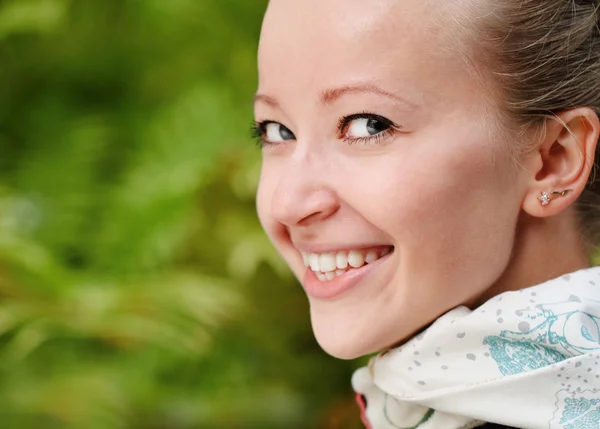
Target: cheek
268,207
438,180
264,198
261,201
446,206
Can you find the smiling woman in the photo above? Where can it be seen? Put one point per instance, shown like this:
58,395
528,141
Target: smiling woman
424,170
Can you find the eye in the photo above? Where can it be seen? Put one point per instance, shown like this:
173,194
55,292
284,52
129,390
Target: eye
270,133
274,132
366,127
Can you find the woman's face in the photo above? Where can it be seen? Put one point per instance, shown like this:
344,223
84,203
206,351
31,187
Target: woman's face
381,167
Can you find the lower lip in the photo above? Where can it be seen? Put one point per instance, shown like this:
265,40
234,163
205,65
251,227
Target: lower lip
331,289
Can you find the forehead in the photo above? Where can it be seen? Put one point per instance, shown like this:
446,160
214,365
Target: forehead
310,44
342,18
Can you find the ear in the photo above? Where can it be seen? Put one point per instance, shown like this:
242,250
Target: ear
562,162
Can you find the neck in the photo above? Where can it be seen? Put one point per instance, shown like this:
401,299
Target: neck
544,249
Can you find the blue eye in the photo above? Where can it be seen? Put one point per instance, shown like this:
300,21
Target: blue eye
366,127
271,132
274,132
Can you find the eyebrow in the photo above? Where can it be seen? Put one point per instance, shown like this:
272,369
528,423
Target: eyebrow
266,99
332,95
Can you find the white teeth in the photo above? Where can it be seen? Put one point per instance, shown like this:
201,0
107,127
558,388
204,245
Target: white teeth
371,257
341,260
313,261
325,277
305,260
328,266
356,259
327,262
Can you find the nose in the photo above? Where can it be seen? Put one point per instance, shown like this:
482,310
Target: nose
303,195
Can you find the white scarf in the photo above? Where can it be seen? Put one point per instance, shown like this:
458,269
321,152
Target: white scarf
526,359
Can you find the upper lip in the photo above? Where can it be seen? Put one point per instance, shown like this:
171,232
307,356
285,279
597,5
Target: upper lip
329,248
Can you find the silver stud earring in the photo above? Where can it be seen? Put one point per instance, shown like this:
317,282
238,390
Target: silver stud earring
547,197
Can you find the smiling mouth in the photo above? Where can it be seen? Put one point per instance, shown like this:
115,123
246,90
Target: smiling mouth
328,266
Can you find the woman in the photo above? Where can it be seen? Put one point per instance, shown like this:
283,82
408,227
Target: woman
425,175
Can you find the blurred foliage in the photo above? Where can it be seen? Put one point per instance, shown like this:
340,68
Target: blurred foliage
137,289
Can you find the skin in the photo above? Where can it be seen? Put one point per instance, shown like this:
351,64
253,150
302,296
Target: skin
444,190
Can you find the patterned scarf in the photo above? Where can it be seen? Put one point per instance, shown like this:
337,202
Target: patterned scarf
526,359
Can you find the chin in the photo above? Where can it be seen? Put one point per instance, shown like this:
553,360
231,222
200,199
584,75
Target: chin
344,342
350,332
341,348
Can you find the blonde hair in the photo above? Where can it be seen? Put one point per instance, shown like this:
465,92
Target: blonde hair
544,57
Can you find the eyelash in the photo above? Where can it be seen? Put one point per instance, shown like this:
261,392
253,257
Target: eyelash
377,138
257,130
257,134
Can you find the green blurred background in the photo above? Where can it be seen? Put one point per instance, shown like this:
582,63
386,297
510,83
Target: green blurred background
137,287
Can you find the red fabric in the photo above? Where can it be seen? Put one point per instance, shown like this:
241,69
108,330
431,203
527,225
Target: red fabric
363,410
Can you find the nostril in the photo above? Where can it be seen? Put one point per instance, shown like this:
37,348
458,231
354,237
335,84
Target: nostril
300,199
319,214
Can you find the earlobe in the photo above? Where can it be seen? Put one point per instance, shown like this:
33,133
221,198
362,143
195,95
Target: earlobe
562,163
